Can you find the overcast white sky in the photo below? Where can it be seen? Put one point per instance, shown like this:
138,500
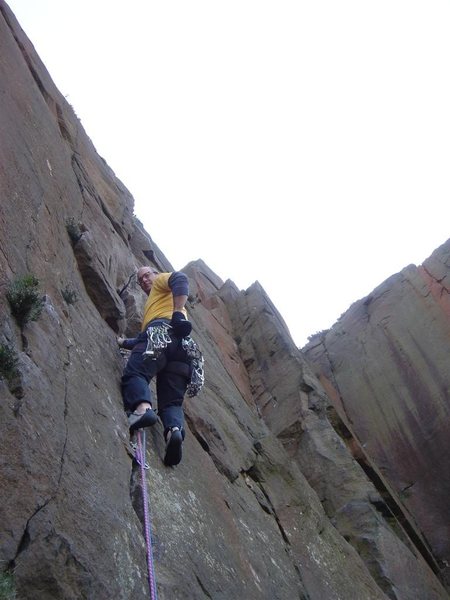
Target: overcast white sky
303,144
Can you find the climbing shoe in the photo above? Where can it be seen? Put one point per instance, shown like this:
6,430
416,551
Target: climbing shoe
174,439
147,419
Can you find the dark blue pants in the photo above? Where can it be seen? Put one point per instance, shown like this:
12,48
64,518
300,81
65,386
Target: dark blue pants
172,370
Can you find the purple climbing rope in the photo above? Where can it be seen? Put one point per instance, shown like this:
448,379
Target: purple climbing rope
140,457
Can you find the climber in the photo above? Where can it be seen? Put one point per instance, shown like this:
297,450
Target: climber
161,350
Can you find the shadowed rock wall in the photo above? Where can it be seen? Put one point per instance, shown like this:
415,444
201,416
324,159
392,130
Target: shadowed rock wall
387,360
268,501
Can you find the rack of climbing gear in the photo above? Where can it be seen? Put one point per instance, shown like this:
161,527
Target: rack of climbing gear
197,366
158,338
140,459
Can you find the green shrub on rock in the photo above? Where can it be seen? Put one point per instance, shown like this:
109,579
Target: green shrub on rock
8,362
7,587
24,299
69,295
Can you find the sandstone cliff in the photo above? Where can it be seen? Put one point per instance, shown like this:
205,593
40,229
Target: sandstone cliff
269,502
386,366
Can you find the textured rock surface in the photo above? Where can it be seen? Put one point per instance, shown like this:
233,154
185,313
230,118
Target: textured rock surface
268,501
293,404
388,361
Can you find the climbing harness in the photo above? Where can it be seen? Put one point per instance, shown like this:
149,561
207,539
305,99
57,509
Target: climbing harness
140,459
158,338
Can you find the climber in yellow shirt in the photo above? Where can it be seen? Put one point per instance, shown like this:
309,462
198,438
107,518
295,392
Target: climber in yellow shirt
160,350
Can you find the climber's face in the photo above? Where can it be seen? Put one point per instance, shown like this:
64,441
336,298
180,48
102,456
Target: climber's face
146,276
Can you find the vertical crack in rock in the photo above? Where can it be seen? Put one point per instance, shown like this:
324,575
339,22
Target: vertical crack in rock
66,365
333,378
25,539
87,187
433,277
202,587
95,278
265,504
386,505
253,482
136,492
64,129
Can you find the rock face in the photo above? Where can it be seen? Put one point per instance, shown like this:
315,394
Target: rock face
387,360
268,502
294,405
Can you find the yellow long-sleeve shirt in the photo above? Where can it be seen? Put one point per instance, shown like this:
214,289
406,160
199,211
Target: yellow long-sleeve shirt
159,303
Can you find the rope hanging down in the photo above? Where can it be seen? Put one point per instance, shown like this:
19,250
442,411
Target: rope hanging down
140,458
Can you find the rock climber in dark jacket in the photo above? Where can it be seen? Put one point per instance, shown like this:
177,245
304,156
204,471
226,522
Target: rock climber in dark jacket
160,350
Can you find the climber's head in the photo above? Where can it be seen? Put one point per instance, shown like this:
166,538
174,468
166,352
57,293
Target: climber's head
146,276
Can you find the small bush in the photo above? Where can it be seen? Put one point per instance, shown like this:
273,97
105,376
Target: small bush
24,298
69,295
73,229
8,362
7,587
318,335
